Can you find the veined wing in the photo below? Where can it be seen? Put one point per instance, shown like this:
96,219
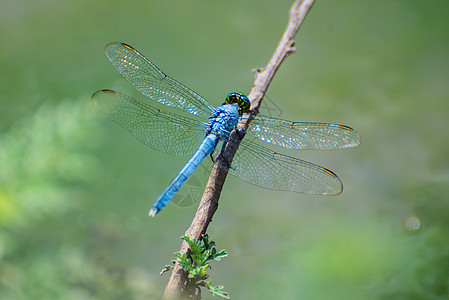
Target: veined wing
303,135
262,167
166,132
153,83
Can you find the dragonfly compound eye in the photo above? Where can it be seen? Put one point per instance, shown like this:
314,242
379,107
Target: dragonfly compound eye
240,99
232,98
244,104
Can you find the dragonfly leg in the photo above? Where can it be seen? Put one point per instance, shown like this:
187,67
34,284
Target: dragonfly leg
226,161
212,153
239,132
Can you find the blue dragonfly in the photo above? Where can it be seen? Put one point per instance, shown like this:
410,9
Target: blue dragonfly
192,126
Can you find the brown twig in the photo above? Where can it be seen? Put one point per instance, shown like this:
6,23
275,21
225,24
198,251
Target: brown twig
209,201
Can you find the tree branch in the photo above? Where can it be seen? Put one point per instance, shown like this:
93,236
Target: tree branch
209,201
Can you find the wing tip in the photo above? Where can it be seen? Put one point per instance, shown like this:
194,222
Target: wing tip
346,127
339,191
111,44
340,184
334,193
357,138
95,95
124,45
127,46
360,139
330,172
113,47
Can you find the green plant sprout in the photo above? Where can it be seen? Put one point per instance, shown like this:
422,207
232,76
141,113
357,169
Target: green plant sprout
195,264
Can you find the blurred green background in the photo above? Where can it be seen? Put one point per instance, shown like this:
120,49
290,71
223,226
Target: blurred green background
75,188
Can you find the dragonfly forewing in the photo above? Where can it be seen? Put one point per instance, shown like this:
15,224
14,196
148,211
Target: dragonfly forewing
303,135
155,84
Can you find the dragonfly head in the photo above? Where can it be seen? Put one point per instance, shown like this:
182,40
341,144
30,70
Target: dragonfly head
240,99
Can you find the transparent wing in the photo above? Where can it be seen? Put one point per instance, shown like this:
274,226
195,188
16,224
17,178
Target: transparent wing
303,135
262,167
177,135
168,133
153,83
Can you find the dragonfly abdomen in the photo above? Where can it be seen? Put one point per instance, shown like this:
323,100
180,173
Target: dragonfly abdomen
204,150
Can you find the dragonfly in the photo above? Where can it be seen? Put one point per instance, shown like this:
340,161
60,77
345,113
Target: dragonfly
193,127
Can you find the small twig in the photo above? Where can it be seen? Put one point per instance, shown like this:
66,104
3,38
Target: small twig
209,201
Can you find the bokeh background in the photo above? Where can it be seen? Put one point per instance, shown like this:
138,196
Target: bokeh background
75,188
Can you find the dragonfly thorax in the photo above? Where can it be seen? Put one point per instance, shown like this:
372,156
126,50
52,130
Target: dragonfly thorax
223,120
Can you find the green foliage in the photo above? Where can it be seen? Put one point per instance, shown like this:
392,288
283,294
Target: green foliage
196,262
46,165
38,157
217,290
